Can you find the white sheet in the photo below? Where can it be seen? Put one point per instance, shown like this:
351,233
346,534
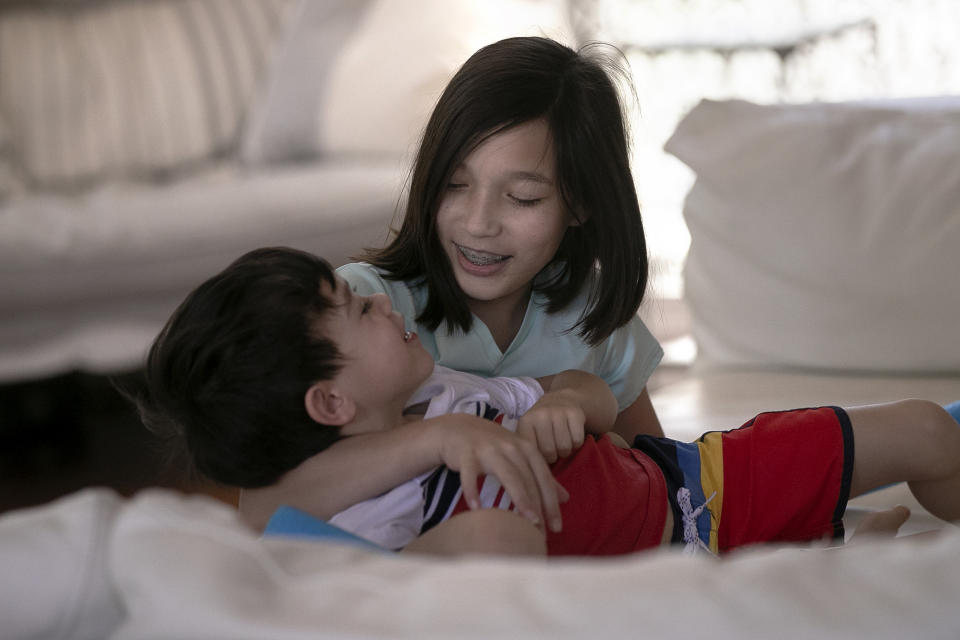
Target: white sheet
165,566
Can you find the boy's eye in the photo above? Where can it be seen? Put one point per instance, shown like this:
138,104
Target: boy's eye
456,186
365,306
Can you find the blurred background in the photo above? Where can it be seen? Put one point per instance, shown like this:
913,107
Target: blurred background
145,143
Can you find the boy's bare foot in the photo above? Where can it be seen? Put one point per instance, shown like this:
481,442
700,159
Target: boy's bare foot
880,524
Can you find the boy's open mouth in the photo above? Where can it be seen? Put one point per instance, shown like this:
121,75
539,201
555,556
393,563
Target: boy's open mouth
480,258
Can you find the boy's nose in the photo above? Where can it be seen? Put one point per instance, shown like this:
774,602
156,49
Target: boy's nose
382,302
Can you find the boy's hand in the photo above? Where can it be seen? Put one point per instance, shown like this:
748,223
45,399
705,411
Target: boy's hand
474,446
556,424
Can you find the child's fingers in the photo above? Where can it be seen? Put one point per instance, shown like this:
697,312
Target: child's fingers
539,431
546,443
468,482
544,496
563,439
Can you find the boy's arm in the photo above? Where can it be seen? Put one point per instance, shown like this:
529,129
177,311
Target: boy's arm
485,531
363,466
573,402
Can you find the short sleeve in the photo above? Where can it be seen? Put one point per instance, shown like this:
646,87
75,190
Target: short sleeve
630,355
363,278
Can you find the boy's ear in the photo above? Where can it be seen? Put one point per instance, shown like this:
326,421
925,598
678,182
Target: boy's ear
327,404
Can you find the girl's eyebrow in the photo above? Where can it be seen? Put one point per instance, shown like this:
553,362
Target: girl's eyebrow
533,176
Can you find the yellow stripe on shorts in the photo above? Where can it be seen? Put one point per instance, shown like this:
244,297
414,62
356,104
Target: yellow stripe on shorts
711,479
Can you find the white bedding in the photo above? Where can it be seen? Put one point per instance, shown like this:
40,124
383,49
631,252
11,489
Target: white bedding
166,566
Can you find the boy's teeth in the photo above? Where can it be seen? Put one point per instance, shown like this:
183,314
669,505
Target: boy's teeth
481,259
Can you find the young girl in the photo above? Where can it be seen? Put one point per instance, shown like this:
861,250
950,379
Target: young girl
522,251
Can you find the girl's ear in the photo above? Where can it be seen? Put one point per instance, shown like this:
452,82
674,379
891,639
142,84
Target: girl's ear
327,404
577,220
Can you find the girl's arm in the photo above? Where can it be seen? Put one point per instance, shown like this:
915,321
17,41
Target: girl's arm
638,419
573,402
587,391
364,466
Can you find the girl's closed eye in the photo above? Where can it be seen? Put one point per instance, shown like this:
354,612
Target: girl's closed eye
365,306
524,202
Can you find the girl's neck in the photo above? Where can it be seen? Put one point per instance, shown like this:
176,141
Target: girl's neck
503,317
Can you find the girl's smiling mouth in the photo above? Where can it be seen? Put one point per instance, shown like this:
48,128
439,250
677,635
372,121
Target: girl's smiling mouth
480,258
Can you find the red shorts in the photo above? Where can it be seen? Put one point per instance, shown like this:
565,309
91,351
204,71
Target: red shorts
782,477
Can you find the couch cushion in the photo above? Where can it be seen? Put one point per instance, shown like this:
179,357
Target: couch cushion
9,184
119,89
87,281
824,235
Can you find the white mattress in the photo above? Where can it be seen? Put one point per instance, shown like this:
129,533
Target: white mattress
164,566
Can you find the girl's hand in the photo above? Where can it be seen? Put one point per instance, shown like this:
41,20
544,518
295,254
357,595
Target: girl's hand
474,446
555,424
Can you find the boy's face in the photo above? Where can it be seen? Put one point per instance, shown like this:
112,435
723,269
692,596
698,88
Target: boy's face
383,363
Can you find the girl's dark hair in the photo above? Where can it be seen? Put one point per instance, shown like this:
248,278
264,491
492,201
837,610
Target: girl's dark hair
227,375
503,85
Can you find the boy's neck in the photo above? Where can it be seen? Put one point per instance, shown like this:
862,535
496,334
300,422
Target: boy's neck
385,418
416,411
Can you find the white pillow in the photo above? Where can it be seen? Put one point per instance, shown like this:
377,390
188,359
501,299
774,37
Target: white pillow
361,78
824,235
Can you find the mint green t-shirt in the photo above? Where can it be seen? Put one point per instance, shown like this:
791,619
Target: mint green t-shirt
543,346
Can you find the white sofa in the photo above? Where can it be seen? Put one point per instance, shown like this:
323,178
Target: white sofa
144,144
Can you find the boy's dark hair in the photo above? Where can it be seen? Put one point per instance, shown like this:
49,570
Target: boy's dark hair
228,373
503,85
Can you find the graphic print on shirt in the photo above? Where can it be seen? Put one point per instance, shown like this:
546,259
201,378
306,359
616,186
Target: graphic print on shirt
443,494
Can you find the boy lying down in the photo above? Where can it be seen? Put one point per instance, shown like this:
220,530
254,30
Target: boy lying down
275,359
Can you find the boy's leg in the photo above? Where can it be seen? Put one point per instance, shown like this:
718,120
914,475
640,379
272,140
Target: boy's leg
880,524
914,441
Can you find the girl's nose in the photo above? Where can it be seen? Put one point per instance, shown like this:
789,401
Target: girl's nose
481,216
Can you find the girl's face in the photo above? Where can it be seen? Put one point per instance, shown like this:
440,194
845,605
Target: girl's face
501,219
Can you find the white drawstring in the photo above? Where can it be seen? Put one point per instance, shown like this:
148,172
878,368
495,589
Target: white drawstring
690,534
